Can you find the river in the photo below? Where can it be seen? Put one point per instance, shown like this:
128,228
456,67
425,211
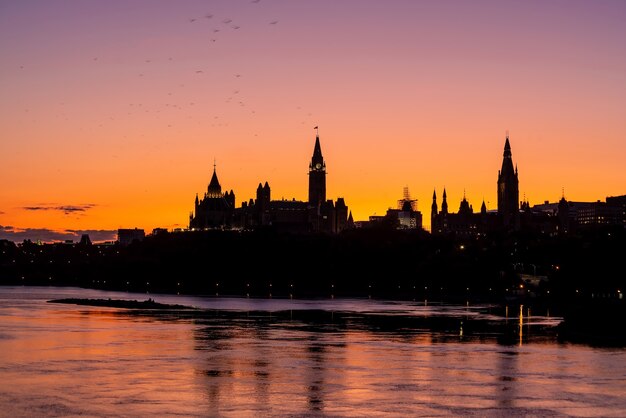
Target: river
282,357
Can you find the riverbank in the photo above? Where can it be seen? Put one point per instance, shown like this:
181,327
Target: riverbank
121,303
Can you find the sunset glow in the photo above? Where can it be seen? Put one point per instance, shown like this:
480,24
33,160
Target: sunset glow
112,113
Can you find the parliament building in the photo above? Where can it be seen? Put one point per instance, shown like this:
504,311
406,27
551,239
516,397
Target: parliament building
216,210
515,215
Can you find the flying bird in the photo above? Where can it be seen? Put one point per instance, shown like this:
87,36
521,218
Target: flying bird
273,22
192,20
227,21
209,16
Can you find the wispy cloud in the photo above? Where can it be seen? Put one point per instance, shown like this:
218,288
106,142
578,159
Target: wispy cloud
66,209
48,235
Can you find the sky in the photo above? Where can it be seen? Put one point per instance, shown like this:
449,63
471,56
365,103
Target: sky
113,113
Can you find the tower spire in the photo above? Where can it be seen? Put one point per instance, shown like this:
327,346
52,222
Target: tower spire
317,174
508,190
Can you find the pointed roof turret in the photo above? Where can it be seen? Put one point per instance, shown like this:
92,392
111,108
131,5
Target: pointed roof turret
433,207
444,202
214,189
317,154
507,147
483,207
350,223
507,170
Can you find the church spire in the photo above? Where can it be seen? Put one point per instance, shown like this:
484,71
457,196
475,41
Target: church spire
444,202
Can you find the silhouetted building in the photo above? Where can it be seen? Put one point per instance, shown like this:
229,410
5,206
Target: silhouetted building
217,210
317,176
85,240
127,236
566,216
465,221
508,191
406,216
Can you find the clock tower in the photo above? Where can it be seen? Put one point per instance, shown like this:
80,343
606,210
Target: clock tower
317,176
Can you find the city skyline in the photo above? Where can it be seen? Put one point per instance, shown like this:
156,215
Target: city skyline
112,115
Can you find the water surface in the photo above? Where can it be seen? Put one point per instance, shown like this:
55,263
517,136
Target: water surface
268,357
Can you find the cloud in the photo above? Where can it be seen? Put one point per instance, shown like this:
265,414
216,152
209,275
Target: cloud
66,209
48,235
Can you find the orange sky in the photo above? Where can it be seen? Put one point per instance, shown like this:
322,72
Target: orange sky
111,113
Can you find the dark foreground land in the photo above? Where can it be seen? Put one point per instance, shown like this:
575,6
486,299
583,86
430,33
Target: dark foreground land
582,276
377,263
121,303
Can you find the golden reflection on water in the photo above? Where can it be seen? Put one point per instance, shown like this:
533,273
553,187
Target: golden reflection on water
521,323
68,360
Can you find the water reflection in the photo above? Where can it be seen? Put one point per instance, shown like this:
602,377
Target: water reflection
403,361
505,384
